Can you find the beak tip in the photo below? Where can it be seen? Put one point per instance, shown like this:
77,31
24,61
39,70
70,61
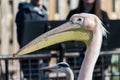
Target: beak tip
14,55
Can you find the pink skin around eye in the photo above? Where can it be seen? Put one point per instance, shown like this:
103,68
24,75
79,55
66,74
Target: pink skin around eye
89,20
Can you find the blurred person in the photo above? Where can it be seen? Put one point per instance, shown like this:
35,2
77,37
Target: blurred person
93,7
89,6
33,11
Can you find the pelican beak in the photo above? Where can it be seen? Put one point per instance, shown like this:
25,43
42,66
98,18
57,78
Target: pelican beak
66,32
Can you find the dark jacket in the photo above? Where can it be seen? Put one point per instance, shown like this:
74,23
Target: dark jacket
28,12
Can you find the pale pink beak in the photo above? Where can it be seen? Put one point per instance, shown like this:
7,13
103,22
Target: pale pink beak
49,67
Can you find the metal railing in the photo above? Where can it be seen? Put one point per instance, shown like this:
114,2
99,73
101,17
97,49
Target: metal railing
31,65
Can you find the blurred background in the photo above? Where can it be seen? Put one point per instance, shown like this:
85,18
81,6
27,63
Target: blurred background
57,10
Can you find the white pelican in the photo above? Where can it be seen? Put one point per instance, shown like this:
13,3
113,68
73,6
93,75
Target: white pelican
81,27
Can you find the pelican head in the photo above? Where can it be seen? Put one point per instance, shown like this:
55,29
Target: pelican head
91,22
61,67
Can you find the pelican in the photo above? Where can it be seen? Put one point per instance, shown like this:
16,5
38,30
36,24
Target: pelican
81,27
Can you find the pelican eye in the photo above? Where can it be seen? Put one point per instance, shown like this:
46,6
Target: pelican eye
79,19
